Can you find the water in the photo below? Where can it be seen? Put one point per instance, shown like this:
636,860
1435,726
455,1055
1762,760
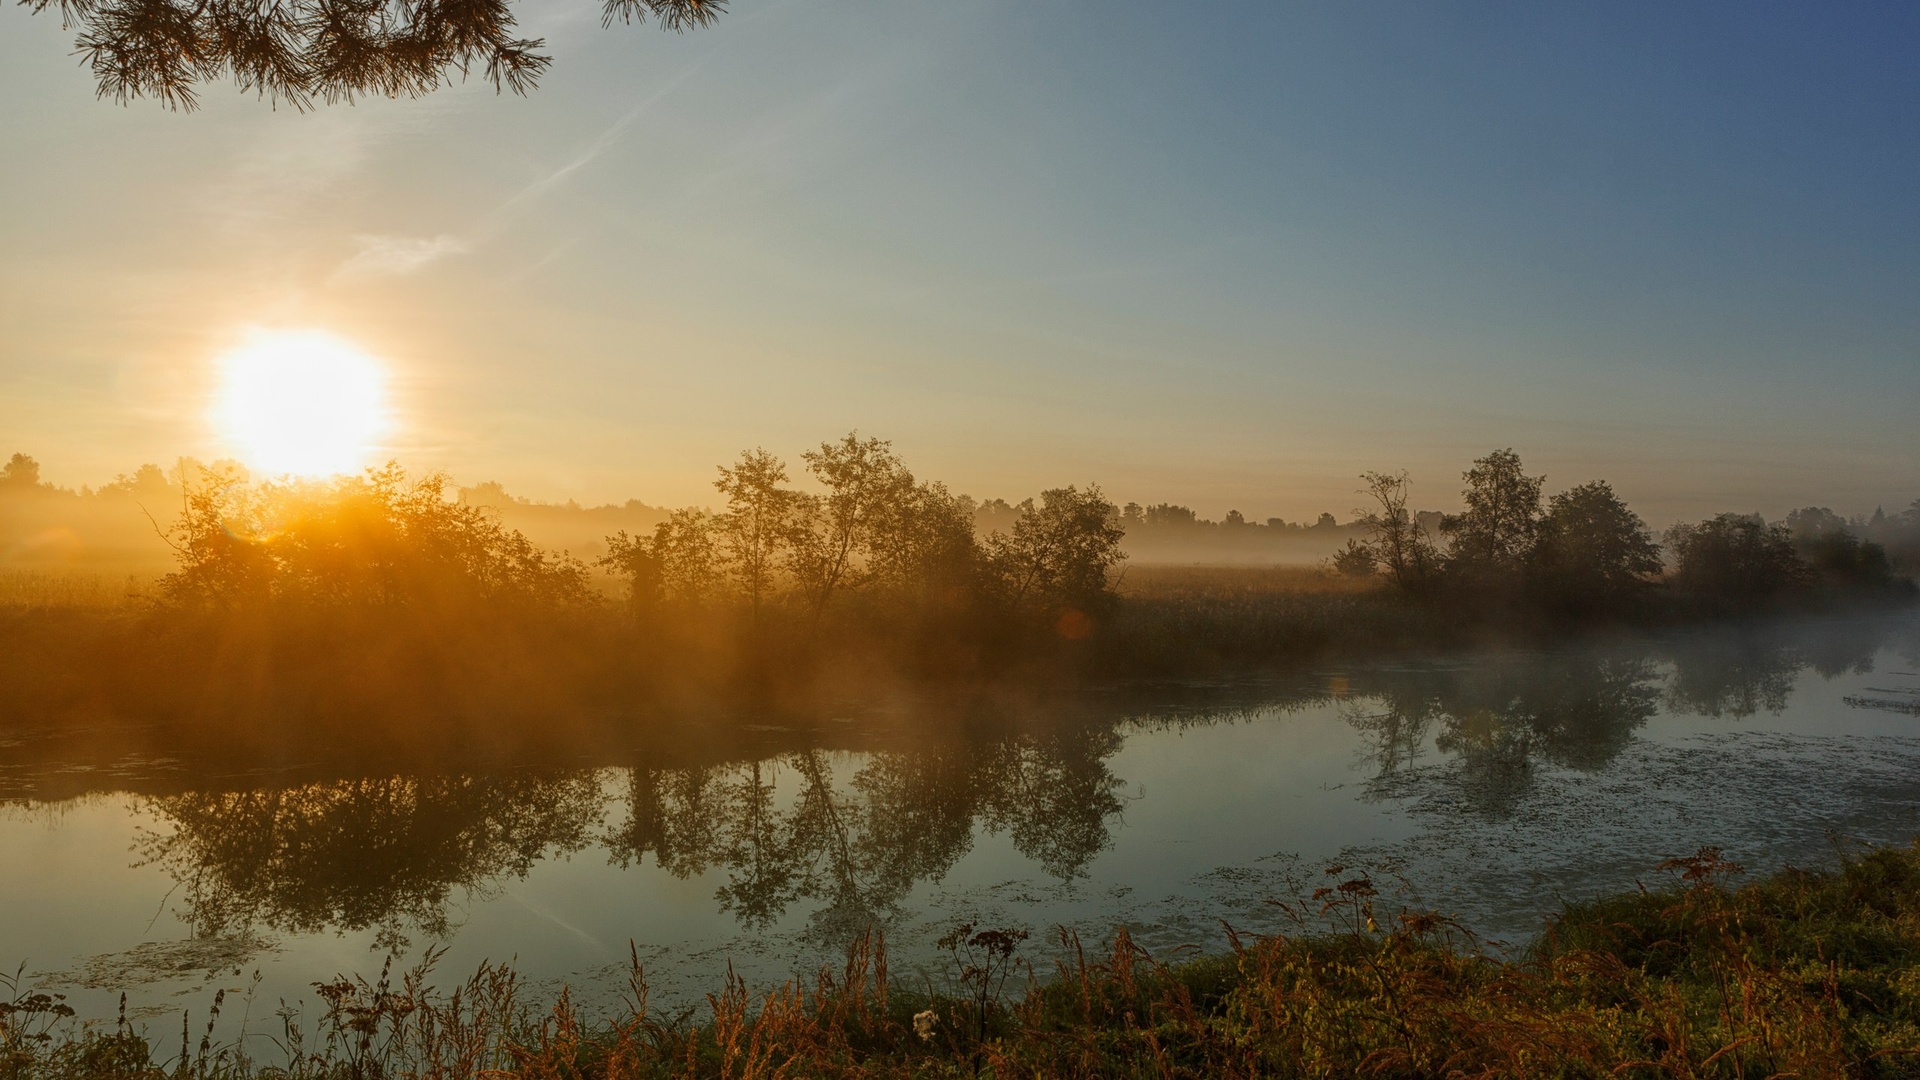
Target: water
1490,786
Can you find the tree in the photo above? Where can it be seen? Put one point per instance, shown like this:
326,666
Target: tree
147,482
375,539
1735,560
1836,554
923,541
300,51
1167,514
1061,551
1590,551
864,482
20,473
1396,539
759,523
678,564
218,563
1356,560
1496,530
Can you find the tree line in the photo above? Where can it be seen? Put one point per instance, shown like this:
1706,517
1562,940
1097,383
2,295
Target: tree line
871,533
864,535
1583,551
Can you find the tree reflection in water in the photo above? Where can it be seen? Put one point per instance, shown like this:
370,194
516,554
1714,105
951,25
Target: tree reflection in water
1739,673
393,854
384,853
858,849
1579,709
849,835
1576,710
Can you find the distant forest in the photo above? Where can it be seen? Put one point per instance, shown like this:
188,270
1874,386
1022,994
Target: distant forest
108,530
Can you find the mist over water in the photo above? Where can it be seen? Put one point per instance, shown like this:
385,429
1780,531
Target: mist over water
1493,784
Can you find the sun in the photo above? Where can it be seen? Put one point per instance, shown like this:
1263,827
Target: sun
301,403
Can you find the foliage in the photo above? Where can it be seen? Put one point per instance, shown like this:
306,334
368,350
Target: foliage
1735,561
1356,560
876,533
1496,531
760,524
1060,552
924,545
678,565
373,540
302,50
20,473
1591,553
868,489
1835,555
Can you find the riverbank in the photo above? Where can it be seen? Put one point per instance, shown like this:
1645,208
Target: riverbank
393,677
1805,973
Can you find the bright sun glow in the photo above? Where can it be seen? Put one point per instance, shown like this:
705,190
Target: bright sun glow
301,402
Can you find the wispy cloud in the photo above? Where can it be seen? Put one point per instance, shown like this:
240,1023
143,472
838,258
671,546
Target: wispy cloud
382,255
606,140
392,256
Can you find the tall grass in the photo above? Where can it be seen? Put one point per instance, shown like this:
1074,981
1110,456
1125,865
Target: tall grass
35,589
1808,974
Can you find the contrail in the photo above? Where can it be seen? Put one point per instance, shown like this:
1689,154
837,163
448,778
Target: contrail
600,145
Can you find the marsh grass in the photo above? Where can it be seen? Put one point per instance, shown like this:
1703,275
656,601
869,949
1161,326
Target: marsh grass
36,589
1165,581
1806,973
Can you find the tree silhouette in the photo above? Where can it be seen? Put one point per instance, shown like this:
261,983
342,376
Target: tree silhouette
1061,551
1496,531
20,473
1734,561
303,51
1398,541
864,480
759,523
1591,552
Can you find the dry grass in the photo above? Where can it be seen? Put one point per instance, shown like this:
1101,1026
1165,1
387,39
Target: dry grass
1804,974
35,589
1165,581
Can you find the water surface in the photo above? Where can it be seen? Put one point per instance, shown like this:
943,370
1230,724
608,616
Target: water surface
1491,786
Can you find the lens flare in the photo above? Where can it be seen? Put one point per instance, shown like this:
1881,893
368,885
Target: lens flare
301,403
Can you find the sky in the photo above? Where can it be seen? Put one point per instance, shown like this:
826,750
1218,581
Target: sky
1226,255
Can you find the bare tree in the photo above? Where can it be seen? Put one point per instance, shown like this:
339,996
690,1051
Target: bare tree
302,51
1397,539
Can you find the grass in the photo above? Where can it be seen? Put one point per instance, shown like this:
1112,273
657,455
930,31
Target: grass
1804,973
1164,581
34,589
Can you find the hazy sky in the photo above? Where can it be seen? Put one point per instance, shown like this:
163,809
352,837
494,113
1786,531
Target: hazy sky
1226,254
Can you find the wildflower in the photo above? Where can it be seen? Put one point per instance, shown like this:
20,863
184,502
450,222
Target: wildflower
923,1023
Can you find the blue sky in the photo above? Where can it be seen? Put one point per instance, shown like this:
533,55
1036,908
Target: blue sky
1230,259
